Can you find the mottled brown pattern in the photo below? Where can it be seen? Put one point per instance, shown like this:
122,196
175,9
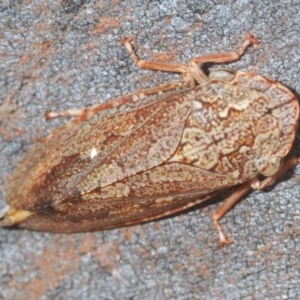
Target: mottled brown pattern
155,152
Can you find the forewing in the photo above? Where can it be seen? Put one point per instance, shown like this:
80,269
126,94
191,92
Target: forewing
149,195
109,146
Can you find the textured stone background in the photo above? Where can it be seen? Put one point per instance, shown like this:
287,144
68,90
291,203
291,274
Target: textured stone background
62,54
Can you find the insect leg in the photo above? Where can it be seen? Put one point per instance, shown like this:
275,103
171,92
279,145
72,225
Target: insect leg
226,206
159,66
153,65
227,57
195,64
237,195
83,113
49,115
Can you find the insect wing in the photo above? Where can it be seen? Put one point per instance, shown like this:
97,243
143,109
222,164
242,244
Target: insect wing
108,147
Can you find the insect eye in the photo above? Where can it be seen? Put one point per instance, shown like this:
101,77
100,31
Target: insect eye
274,164
222,75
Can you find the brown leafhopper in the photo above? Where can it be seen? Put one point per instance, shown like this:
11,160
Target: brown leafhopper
158,151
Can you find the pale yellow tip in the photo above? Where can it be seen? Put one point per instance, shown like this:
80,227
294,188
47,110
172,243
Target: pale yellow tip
11,216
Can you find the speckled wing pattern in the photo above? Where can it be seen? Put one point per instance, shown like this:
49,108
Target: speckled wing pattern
128,171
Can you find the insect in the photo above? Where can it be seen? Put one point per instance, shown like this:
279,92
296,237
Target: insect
158,151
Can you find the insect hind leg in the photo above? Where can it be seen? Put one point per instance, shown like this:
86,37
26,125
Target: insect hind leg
225,207
238,194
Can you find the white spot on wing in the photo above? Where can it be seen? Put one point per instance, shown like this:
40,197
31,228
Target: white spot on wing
94,152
